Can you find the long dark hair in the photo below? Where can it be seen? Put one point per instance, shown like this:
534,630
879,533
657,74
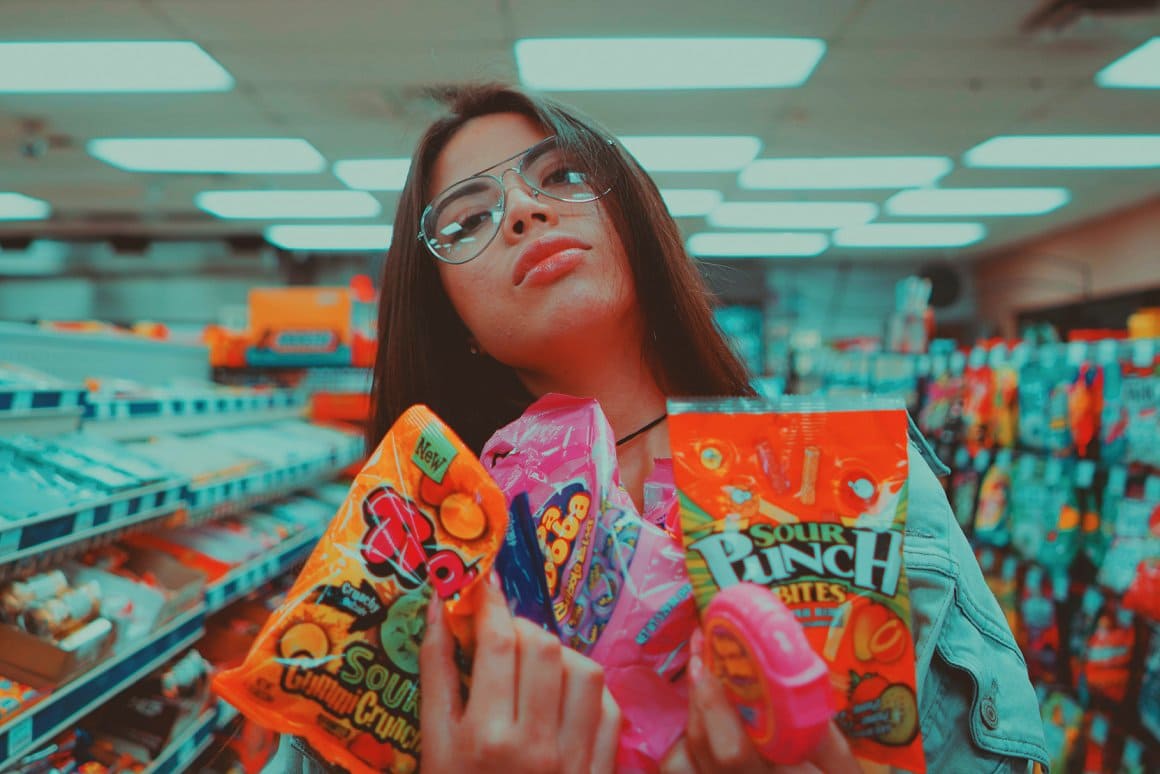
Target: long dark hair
423,354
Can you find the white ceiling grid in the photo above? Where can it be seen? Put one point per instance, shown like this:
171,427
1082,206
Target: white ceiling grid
900,77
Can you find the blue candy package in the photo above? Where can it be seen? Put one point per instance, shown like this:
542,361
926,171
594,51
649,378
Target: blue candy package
520,567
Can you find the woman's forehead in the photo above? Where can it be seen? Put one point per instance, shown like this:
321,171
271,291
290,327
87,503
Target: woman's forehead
482,143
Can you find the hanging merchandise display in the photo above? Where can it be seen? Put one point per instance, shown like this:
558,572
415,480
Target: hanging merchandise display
1064,513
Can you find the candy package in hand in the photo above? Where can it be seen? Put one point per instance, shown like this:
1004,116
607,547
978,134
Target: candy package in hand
618,584
808,498
338,662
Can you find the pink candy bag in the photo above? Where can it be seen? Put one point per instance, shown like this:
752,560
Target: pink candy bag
618,583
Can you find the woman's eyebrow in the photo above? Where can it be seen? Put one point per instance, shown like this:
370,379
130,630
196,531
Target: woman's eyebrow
466,190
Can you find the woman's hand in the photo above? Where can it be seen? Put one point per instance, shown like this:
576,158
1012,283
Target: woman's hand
716,741
535,705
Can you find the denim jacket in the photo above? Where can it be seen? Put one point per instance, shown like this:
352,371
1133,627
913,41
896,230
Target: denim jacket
977,709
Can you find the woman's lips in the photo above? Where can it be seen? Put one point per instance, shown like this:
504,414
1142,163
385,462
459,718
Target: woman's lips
547,258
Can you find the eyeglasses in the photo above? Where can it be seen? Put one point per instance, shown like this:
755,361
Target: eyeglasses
462,221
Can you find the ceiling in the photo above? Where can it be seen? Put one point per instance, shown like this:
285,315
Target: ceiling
899,77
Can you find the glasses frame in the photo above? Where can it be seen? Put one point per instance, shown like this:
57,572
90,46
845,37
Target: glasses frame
519,170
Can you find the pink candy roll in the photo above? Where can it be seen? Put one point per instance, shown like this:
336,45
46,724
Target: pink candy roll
753,644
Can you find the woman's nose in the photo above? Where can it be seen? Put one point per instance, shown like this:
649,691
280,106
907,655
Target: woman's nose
523,207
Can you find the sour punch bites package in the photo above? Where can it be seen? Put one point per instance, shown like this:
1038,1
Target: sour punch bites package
338,663
808,498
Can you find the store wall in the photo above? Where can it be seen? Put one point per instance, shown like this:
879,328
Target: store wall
1115,254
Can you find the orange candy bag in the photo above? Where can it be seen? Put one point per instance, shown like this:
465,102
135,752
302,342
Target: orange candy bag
808,498
338,663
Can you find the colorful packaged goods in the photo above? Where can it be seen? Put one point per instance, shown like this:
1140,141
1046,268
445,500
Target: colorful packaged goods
1106,668
1040,628
808,498
753,644
1149,705
617,582
978,404
337,664
1083,625
1062,723
992,511
964,490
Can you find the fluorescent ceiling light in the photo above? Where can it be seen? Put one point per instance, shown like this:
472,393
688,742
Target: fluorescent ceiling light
373,174
330,238
792,214
690,202
129,66
15,206
949,202
209,155
855,172
620,64
1067,151
274,205
739,245
693,154
910,235
1138,69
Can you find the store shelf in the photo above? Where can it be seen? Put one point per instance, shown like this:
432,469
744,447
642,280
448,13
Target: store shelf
250,575
76,699
41,412
127,419
186,747
76,527
235,495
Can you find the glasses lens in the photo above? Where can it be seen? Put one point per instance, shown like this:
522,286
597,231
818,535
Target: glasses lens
560,174
462,221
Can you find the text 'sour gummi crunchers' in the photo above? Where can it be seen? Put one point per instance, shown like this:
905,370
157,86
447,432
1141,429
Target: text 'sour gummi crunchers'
809,498
338,663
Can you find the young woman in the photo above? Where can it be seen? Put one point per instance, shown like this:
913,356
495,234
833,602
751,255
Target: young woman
531,255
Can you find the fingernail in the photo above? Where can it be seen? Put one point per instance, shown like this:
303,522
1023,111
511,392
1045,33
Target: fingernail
696,668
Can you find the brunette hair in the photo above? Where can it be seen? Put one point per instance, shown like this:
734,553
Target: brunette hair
423,354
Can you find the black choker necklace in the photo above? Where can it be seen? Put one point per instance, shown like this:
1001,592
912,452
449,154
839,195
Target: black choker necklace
644,429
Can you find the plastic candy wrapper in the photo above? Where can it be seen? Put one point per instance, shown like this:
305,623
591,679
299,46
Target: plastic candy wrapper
753,644
992,512
618,584
520,567
808,498
338,662
1107,663
1040,628
1149,705
1062,722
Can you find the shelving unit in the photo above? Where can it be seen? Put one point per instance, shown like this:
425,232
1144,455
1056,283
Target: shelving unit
134,418
252,574
72,701
185,748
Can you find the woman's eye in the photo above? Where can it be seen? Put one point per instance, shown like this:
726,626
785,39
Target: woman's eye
565,175
463,226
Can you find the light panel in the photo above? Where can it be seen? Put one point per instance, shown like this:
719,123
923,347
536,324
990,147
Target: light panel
792,215
977,202
373,174
330,238
622,64
277,205
905,235
1138,69
712,244
109,66
694,153
690,202
853,173
1067,151
209,155
17,206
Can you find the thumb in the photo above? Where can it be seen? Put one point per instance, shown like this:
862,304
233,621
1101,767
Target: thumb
440,702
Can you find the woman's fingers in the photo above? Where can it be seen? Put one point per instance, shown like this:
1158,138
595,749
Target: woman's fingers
581,711
607,736
441,705
541,676
494,675
679,760
833,754
717,740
